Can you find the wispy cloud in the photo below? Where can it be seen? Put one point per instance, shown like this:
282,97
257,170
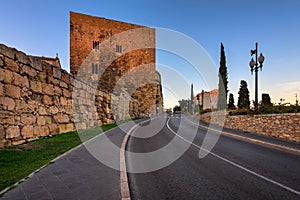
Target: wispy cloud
290,86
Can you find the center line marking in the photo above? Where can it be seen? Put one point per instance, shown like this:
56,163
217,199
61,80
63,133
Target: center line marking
236,165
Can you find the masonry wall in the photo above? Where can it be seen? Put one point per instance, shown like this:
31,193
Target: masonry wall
284,126
129,71
38,99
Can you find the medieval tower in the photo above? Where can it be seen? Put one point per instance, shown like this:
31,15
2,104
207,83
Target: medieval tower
119,58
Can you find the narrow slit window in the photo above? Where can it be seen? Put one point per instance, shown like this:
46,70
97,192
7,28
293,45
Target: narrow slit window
119,48
94,68
96,45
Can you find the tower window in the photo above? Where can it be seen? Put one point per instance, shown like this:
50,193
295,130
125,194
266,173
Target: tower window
96,45
119,48
94,68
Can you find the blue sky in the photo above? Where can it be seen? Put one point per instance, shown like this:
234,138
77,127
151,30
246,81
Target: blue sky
42,28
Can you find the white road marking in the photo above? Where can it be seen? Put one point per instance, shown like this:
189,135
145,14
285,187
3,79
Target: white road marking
237,165
276,146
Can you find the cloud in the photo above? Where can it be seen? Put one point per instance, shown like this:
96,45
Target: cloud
290,86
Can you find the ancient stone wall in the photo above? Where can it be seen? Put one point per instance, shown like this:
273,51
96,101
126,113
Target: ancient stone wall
285,126
38,99
113,77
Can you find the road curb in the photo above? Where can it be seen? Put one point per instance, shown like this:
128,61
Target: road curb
275,146
124,183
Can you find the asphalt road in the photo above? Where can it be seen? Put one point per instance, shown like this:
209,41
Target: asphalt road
234,169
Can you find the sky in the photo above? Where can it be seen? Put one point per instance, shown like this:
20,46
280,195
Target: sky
42,28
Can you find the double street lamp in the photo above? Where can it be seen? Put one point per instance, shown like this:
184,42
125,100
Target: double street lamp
254,67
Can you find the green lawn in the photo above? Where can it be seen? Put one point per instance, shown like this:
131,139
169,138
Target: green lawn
18,162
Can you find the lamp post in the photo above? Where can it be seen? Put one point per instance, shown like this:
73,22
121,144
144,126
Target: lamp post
254,67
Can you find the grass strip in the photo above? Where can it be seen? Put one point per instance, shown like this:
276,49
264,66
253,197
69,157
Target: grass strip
17,162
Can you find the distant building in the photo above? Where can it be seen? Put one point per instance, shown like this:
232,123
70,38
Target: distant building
210,99
52,61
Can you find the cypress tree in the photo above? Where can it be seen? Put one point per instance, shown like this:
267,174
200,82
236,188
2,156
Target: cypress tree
244,101
231,102
223,81
266,100
192,98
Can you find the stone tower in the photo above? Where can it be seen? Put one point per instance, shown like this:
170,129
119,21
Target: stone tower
119,59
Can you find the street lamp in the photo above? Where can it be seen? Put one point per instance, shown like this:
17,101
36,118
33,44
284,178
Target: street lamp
254,67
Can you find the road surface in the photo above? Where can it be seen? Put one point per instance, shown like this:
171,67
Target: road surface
234,169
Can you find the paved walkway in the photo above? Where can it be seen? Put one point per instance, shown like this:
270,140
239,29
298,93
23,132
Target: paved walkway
76,175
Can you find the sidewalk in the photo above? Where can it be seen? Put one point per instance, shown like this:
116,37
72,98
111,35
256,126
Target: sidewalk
75,175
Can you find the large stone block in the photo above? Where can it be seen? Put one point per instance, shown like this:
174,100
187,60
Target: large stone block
63,128
48,69
36,86
13,91
57,72
70,127
48,89
1,61
7,51
54,129
7,103
41,131
42,77
67,93
21,81
12,132
11,64
47,100
2,134
36,63
22,58
61,118
65,77
28,119
7,120
6,76
57,91
63,101
27,132
53,110
43,120
28,70
1,89
63,84
42,111
53,81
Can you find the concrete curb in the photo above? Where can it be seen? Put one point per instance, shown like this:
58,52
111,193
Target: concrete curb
275,146
124,183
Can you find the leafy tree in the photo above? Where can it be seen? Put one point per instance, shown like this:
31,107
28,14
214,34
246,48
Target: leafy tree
223,81
266,100
243,100
176,108
184,104
231,102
